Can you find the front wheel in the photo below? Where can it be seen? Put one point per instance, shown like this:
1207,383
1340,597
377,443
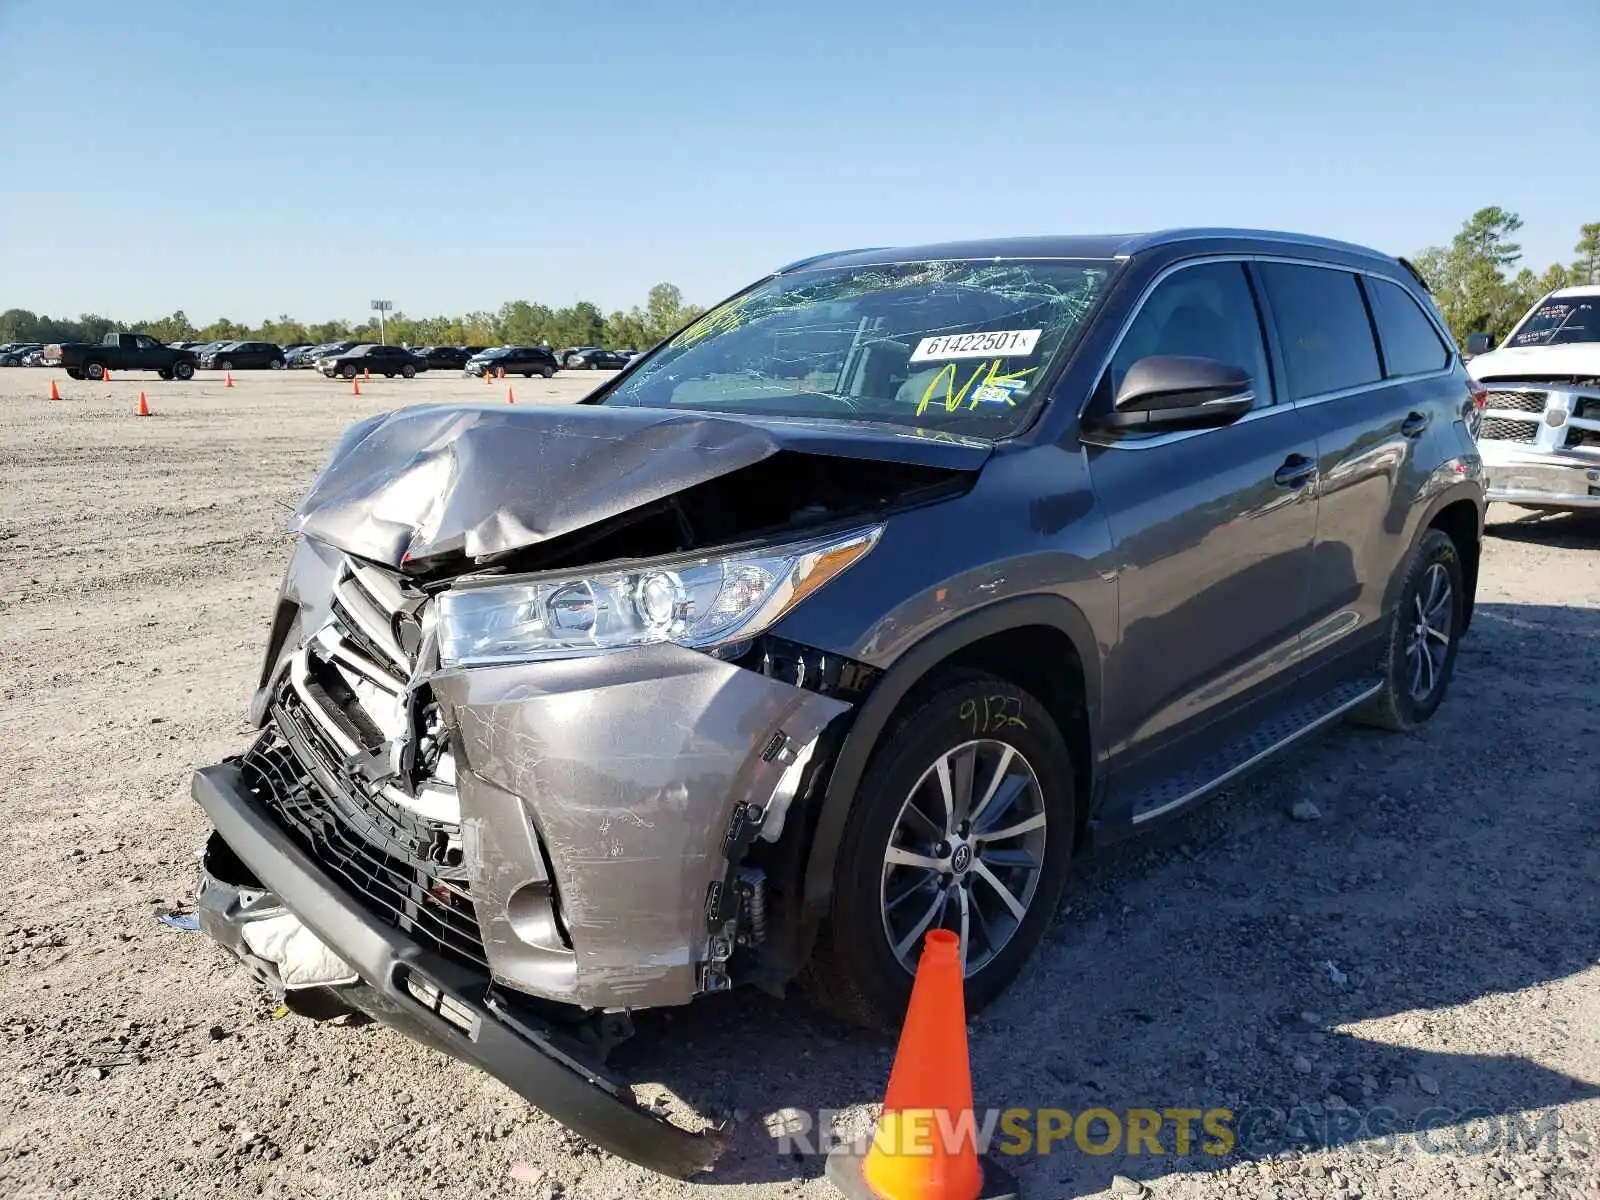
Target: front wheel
225,365
1420,654
94,370
183,370
408,371
348,371
74,373
277,364
963,821
547,372
164,373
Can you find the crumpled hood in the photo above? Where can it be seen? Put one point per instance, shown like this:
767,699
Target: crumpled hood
483,479
1578,359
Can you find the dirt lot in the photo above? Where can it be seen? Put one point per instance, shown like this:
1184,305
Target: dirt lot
1452,881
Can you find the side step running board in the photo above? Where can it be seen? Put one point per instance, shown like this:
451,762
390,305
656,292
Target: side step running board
1238,756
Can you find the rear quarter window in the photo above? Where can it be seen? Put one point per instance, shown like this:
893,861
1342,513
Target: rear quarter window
1323,328
1411,345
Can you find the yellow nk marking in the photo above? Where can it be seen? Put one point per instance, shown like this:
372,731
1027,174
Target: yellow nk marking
954,399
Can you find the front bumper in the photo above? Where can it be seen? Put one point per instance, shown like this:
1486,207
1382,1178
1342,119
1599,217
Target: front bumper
1534,478
424,996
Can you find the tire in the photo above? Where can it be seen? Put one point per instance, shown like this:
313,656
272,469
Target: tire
527,374
388,374
349,371
547,372
183,370
94,370
408,372
225,364
164,373
855,971
74,373
1415,681
276,364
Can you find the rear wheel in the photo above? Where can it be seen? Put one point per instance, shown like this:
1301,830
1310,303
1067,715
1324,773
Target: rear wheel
277,364
94,370
527,374
388,374
964,821
348,371
408,371
225,364
183,370
1420,655
74,373
547,372
164,373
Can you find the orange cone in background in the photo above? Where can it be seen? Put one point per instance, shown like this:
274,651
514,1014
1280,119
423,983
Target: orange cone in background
500,372
925,1145
55,392
366,373
144,407
510,399
227,380
355,386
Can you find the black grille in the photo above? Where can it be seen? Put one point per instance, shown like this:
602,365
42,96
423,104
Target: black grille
398,865
1503,429
1521,401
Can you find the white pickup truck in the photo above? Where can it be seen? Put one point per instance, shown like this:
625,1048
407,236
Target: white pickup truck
1540,433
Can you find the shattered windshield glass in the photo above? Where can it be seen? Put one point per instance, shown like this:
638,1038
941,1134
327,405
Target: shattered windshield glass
1561,320
950,344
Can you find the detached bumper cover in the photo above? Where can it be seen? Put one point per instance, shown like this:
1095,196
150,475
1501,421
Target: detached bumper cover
408,989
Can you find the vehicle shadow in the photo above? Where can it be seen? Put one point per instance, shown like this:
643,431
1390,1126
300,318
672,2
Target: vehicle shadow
1290,972
1567,531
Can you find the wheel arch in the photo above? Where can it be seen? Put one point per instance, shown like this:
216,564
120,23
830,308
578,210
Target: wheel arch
1002,638
1462,520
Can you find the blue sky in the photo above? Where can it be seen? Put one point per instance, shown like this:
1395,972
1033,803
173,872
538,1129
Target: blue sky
247,160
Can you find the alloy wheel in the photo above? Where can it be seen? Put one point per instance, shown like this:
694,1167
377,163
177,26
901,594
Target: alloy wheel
1428,637
966,853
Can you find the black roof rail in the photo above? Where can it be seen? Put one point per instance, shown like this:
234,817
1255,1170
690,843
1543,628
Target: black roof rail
816,258
1415,274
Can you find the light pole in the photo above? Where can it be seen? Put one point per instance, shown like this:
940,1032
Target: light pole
380,307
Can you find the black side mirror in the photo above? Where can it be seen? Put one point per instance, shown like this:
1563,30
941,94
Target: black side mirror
1169,391
1479,343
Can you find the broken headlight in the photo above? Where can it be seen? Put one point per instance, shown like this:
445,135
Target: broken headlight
691,602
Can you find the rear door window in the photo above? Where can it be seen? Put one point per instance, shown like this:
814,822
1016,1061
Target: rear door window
1323,327
1411,345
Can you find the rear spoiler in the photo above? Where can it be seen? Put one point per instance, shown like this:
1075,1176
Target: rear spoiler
1415,274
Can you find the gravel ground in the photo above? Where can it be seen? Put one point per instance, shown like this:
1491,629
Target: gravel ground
1428,940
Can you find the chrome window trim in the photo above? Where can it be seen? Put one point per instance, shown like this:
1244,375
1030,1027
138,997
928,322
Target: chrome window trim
1285,404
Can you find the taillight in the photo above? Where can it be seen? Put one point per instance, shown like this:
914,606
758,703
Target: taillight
1480,394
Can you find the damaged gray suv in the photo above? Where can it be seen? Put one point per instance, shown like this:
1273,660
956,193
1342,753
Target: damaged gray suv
857,608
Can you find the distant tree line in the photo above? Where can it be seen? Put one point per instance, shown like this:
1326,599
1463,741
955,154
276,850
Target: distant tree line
1471,279
517,322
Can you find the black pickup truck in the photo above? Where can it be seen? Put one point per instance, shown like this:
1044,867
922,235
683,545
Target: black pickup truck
121,352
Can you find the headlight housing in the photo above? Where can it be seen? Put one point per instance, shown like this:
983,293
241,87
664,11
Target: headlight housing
695,602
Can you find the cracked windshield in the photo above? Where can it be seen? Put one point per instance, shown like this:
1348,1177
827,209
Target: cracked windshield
955,346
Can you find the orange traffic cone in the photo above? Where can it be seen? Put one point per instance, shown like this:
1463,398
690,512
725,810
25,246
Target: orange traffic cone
55,392
925,1146
500,372
227,380
355,386
488,378
510,398
366,373
144,407
105,374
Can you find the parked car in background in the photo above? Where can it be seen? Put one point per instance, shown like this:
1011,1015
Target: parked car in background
445,358
121,352
244,356
749,663
388,361
526,361
1540,432
594,358
307,357
19,354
